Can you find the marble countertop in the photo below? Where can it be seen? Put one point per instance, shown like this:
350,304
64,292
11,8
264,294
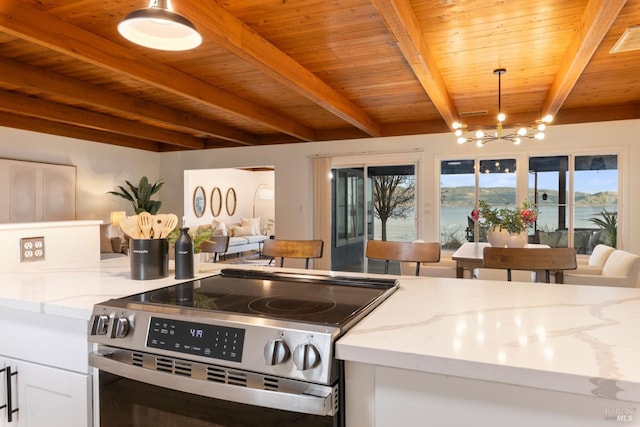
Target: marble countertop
71,290
576,339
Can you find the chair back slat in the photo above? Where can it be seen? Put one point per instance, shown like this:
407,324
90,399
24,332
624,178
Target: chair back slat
417,252
301,249
531,259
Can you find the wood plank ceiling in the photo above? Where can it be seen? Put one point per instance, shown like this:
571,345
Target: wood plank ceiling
291,71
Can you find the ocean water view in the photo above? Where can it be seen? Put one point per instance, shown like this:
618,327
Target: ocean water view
453,222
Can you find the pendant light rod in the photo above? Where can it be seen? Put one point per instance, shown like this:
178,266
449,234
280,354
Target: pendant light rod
499,72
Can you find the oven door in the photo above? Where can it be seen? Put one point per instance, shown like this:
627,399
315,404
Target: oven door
139,397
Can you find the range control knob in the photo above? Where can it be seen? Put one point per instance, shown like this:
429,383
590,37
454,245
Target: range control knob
100,324
306,356
120,328
276,352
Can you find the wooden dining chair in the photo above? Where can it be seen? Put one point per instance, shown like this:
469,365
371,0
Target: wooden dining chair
417,252
531,259
301,249
216,245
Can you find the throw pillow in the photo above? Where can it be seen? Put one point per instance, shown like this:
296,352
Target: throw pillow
219,228
243,230
251,222
105,238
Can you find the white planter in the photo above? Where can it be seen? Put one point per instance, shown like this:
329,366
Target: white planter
516,241
196,263
497,237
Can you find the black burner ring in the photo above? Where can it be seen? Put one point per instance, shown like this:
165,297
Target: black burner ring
287,306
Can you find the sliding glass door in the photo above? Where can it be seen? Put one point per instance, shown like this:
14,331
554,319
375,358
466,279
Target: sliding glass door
370,202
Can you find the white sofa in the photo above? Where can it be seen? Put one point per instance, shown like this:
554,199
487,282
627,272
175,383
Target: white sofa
620,268
238,244
243,236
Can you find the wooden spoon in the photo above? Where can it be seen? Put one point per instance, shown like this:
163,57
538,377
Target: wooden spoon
129,226
157,225
170,222
144,223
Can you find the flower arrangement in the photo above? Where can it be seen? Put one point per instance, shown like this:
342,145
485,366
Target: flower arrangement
514,220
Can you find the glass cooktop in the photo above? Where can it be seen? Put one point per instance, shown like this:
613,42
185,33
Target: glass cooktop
296,297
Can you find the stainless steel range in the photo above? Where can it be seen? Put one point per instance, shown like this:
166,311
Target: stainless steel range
258,346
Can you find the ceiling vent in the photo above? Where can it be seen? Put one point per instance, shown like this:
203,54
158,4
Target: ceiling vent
473,113
630,40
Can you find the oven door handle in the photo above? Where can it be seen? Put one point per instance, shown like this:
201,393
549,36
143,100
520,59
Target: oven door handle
323,402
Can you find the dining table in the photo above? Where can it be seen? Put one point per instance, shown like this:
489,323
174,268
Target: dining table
469,256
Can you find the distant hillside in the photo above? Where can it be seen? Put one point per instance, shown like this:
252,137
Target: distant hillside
498,196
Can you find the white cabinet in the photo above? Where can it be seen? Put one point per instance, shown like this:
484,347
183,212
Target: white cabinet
49,354
381,396
45,396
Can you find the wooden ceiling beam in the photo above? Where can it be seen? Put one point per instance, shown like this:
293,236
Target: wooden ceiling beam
24,75
595,22
18,19
402,23
85,134
52,111
215,23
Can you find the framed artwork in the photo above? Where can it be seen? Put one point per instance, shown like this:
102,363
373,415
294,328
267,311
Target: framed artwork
216,201
230,201
199,201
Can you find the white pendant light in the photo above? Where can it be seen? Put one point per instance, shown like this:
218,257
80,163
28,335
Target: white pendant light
159,27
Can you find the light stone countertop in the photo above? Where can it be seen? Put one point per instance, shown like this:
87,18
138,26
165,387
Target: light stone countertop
72,290
569,338
578,339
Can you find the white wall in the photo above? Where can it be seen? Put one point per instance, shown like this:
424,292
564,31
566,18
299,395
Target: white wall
101,167
293,168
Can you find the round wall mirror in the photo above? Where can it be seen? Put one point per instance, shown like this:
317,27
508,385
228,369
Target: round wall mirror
230,201
199,201
216,201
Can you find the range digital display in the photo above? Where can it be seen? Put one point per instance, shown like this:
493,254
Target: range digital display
217,342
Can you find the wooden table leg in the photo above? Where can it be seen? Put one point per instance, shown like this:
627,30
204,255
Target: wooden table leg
459,270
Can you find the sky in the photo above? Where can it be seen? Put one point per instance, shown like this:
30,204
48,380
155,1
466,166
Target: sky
586,181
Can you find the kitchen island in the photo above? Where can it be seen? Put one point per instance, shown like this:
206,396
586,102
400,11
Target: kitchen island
451,352
442,352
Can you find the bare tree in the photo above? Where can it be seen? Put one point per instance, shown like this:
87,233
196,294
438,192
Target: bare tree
392,198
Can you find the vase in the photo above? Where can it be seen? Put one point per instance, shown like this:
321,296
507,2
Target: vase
516,240
497,237
196,262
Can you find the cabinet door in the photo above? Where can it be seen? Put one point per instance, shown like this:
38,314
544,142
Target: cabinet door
49,397
3,392
5,364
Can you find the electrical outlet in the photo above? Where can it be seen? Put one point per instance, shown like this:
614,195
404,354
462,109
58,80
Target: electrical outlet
32,249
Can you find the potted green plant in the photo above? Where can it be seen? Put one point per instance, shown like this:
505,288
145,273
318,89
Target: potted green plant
200,236
140,196
609,225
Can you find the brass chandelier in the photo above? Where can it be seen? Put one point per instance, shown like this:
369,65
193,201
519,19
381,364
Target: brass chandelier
498,133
